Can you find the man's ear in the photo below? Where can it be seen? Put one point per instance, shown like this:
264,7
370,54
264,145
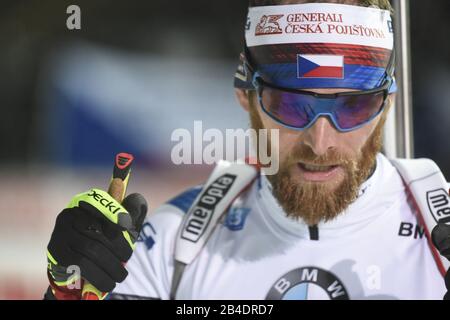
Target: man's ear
243,98
391,101
392,97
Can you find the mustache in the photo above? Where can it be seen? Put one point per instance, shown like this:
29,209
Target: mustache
304,153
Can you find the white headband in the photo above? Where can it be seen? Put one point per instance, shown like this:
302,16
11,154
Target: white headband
319,22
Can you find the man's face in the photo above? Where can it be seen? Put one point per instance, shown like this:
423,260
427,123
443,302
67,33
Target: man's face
321,169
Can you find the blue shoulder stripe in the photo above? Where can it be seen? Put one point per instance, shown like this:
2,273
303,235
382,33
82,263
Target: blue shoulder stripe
184,200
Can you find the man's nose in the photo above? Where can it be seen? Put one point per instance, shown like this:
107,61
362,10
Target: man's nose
321,137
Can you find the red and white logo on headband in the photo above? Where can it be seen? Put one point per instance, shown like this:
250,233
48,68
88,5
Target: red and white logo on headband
319,23
269,25
320,66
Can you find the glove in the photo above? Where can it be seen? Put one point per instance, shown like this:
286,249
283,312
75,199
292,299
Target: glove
441,240
94,236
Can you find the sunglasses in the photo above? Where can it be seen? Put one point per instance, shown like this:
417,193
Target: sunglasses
299,109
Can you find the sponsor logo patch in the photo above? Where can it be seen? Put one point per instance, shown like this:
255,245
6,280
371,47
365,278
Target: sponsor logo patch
439,204
268,24
299,283
201,213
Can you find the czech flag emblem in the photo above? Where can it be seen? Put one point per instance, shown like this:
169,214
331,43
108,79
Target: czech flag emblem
320,66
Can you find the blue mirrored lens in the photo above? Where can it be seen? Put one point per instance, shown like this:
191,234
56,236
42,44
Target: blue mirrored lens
299,110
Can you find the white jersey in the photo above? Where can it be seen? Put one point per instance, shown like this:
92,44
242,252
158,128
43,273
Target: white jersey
373,250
